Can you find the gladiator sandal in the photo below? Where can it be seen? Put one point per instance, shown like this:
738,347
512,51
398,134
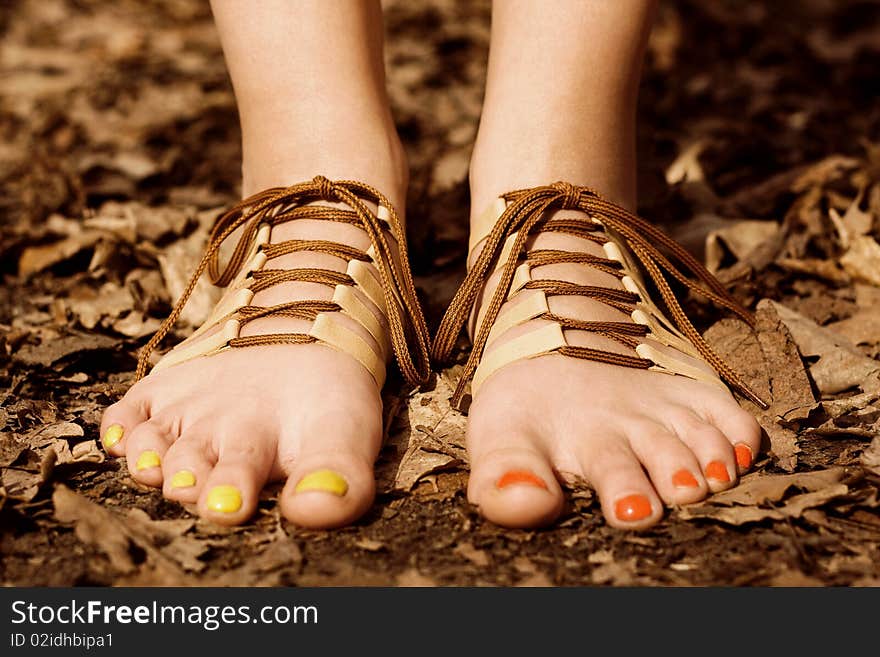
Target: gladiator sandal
632,249
375,283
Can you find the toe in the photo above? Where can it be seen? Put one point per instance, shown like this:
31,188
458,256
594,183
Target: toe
330,480
186,467
513,485
741,430
144,449
119,420
231,490
673,468
713,450
627,497
327,489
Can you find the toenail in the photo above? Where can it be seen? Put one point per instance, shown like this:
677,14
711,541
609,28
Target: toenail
520,477
183,479
113,435
325,481
684,479
632,508
743,455
718,471
148,459
224,499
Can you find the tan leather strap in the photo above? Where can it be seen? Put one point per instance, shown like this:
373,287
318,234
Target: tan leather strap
632,247
374,291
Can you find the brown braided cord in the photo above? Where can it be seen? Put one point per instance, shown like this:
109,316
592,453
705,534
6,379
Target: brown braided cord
524,215
407,327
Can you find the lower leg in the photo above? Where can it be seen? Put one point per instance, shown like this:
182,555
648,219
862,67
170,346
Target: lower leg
309,81
561,97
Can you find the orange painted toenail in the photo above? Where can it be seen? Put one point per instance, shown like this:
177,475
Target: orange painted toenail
743,455
684,479
632,508
520,477
718,471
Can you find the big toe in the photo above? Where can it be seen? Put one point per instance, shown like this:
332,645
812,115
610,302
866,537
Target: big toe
514,486
328,489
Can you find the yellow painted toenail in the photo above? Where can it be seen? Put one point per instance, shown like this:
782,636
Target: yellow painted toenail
326,481
148,459
113,435
183,479
224,499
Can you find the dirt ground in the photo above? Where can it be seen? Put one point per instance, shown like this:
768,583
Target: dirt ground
759,150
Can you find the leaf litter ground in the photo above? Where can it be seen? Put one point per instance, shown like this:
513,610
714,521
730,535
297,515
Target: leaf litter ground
759,150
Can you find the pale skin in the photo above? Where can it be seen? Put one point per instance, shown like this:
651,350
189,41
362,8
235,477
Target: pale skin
560,105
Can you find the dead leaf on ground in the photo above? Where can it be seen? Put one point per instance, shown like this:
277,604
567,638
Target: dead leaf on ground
116,536
739,238
840,366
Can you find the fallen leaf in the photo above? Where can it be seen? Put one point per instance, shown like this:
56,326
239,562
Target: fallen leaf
840,364
758,488
115,536
739,238
740,515
862,260
431,433
870,458
50,352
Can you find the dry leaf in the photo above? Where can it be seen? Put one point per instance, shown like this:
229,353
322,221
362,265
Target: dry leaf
841,365
115,536
432,435
862,260
740,238
758,488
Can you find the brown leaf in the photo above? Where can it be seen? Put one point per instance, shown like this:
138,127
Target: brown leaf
431,433
90,306
870,458
841,365
50,352
758,488
862,260
115,536
740,238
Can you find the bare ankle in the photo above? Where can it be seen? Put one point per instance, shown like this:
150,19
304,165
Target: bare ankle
371,155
